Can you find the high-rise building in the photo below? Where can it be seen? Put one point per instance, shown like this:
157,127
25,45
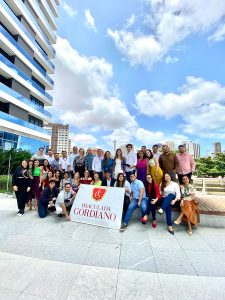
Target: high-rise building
27,33
171,145
59,137
216,148
192,148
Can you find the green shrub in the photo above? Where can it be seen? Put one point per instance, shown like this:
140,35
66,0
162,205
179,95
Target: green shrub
3,184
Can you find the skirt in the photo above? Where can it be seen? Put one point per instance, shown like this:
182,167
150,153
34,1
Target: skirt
191,211
35,189
159,177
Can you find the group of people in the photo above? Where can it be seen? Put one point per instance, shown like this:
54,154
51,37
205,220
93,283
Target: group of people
149,177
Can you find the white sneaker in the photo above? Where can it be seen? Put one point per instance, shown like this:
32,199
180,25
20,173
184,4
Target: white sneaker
160,211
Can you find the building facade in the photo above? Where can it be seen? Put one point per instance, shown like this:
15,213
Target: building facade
216,148
192,148
171,145
59,137
27,35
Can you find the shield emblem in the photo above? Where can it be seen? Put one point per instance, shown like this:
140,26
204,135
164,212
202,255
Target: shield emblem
98,193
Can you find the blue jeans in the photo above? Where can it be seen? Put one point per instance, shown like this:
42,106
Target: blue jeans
42,209
133,205
128,175
164,203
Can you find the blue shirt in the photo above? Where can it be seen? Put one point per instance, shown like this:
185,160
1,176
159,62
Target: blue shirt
135,188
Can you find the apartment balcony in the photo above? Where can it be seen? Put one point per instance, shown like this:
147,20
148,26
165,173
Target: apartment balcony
9,95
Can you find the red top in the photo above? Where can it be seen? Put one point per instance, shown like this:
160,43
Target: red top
149,190
85,181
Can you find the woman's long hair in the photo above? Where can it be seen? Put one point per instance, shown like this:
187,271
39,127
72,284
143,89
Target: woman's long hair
118,183
163,184
105,158
152,192
116,154
151,156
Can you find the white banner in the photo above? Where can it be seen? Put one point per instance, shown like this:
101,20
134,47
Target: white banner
98,205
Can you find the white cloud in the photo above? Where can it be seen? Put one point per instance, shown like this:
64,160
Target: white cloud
200,103
68,9
170,22
219,34
130,21
83,91
83,140
90,21
171,60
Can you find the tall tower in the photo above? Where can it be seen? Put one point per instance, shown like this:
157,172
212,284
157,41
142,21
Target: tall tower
27,35
216,148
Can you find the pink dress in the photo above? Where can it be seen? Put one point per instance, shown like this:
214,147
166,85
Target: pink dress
142,169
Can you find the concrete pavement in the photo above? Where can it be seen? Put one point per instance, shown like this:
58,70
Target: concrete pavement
54,259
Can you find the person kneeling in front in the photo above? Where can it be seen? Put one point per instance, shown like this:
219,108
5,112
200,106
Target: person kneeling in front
47,200
64,201
138,199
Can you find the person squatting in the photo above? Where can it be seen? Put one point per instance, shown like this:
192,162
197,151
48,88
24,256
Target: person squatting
49,183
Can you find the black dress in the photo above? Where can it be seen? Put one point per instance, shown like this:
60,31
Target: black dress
21,179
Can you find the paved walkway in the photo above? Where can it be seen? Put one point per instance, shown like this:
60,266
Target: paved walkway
54,259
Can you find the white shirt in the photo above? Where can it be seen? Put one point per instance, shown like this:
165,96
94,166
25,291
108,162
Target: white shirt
127,187
63,163
97,163
70,160
62,196
130,159
172,188
49,158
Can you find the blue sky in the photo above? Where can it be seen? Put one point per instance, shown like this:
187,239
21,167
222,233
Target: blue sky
143,71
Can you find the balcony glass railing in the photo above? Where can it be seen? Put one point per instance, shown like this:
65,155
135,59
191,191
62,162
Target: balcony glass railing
21,98
27,13
24,53
23,123
12,15
25,77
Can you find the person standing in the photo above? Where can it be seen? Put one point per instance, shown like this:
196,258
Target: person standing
50,156
55,163
36,183
138,199
107,163
97,163
63,162
79,163
186,164
118,164
88,161
21,183
39,156
141,166
130,161
71,157
155,151
168,162
153,167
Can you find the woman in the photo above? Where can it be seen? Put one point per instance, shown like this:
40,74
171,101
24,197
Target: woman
86,179
57,178
79,163
65,179
118,164
44,169
36,184
153,194
189,206
75,182
122,182
96,180
153,167
45,182
107,163
141,166
170,192
30,175
21,185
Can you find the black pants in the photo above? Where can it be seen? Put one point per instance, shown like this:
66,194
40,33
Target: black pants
80,170
126,203
180,176
21,194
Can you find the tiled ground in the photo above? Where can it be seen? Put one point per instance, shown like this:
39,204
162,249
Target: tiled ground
54,259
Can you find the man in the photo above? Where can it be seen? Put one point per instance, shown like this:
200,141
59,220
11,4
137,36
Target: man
155,152
47,200
71,157
107,180
130,161
97,163
143,148
39,156
55,162
186,164
50,156
168,162
138,199
88,161
64,201
63,162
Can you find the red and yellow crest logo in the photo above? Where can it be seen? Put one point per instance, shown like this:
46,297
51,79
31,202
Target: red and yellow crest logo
98,193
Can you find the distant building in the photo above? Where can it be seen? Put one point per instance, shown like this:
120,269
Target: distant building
59,137
171,145
192,148
216,148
